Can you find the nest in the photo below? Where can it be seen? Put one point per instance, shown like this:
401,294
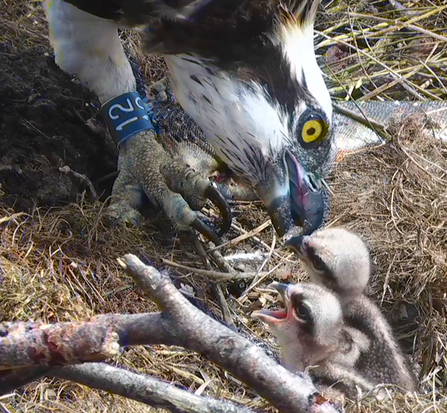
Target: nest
395,197
383,50
60,264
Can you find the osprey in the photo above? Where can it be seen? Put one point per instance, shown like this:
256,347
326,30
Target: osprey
245,71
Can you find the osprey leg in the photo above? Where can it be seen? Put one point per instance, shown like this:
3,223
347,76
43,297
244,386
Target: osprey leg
147,170
89,47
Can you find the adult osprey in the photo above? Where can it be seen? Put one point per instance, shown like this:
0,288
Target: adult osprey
245,71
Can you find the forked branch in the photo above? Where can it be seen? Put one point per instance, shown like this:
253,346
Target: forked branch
182,324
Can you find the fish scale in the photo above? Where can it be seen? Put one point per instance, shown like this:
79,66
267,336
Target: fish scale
351,135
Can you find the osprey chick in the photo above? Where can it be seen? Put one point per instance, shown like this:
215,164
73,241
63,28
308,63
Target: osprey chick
339,260
313,337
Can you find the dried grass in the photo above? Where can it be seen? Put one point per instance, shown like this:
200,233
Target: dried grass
60,264
384,50
395,197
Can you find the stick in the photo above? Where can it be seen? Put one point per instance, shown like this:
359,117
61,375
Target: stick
11,380
242,237
225,348
26,344
182,324
364,120
214,275
157,393
216,287
83,178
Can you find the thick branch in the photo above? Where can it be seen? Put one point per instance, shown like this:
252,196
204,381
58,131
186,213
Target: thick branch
144,389
11,380
27,344
194,330
132,329
180,323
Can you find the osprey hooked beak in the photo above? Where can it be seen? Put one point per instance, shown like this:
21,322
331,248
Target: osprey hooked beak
296,201
249,78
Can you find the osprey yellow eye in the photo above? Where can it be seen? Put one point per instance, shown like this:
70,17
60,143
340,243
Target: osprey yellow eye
314,130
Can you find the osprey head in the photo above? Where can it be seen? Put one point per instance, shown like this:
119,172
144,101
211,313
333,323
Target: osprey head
248,75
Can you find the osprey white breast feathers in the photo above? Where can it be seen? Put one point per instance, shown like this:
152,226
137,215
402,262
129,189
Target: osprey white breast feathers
246,72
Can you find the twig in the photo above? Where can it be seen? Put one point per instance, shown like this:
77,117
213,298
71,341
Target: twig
379,90
226,314
387,277
386,23
261,278
432,176
258,276
243,231
389,70
26,32
148,390
408,23
220,261
11,217
393,218
216,288
244,236
378,127
214,275
83,178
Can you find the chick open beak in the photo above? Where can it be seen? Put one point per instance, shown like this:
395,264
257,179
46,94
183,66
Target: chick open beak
274,316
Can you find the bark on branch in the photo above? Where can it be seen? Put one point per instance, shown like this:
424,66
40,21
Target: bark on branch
288,392
144,389
27,344
182,324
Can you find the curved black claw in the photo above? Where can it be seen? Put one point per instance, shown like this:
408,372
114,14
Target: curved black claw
217,199
206,231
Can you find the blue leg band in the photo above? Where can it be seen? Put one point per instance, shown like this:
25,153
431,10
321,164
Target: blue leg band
126,115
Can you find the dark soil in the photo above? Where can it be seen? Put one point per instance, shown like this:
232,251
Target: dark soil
43,114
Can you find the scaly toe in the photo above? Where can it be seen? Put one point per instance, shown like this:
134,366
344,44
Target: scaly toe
122,213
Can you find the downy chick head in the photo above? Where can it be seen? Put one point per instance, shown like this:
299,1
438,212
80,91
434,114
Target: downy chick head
309,328
335,258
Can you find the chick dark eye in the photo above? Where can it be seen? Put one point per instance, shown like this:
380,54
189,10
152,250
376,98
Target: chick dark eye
302,311
313,129
236,288
318,264
315,260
